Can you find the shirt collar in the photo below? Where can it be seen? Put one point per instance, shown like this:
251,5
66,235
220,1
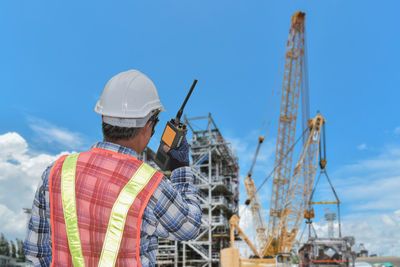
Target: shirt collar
115,148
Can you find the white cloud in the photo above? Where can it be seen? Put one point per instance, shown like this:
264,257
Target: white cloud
246,224
13,222
10,143
396,130
321,228
380,233
387,220
246,220
362,147
20,172
371,184
379,194
50,134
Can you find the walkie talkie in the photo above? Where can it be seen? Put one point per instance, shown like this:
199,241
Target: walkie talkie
173,135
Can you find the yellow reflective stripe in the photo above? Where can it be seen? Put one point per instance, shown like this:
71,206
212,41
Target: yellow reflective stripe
119,211
69,209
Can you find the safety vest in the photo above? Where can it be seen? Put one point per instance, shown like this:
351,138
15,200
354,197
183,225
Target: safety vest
97,199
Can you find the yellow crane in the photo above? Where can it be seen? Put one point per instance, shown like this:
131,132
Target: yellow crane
292,82
291,187
280,241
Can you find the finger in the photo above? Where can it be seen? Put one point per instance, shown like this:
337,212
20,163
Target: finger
166,148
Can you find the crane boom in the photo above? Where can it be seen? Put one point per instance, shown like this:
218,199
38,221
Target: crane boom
257,213
291,187
287,121
284,235
258,216
292,82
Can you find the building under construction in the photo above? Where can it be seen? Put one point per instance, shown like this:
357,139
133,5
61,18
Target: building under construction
216,172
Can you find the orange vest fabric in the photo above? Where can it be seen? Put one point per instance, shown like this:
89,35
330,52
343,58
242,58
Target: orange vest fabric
100,176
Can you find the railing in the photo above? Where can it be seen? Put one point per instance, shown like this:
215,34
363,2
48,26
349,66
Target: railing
220,200
166,251
219,220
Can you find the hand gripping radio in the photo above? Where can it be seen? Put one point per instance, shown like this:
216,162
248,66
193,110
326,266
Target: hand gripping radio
173,135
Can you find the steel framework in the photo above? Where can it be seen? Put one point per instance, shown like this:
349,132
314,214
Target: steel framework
215,167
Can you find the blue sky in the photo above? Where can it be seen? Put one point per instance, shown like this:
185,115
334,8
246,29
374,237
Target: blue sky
57,56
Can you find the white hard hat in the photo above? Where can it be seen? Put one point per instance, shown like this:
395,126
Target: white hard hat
129,99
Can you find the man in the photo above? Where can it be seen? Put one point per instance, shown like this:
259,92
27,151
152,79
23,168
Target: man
104,207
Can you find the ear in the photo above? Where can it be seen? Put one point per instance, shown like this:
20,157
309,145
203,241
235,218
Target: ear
147,127
148,124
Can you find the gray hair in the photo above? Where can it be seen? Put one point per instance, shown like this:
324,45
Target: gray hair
116,133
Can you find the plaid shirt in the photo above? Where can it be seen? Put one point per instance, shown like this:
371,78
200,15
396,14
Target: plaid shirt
173,212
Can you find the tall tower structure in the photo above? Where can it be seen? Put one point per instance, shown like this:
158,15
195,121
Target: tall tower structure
330,217
216,174
216,171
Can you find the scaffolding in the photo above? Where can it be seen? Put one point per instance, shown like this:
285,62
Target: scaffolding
216,174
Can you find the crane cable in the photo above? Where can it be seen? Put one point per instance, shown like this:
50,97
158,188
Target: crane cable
305,96
305,115
273,102
271,115
276,166
247,202
305,104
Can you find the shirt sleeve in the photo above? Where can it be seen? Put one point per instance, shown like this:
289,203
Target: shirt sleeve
38,240
177,209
